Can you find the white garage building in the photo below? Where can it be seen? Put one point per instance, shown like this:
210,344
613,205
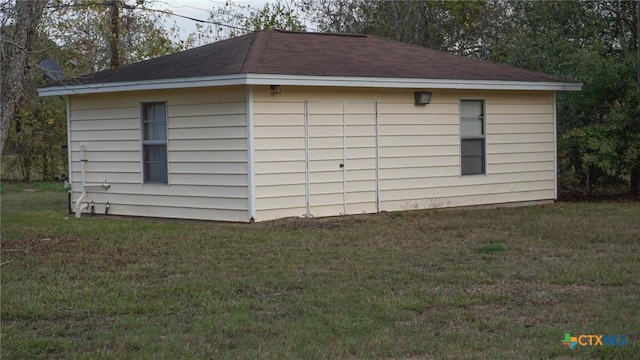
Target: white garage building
276,124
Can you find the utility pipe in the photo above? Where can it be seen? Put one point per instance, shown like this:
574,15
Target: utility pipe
79,208
82,205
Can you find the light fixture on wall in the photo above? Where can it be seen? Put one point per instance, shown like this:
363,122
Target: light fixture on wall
276,89
423,97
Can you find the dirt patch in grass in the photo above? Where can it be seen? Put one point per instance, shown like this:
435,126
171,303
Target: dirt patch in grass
27,249
293,223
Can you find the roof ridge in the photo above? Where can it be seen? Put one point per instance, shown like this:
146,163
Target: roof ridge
256,50
319,33
249,50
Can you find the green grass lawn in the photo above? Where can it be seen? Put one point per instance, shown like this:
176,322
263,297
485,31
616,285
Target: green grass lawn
491,284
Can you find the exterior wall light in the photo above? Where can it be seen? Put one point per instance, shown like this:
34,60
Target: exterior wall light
276,89
423,97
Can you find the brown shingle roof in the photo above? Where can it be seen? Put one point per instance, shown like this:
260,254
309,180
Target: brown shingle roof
314,54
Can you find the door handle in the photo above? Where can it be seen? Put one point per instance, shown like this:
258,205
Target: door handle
341,166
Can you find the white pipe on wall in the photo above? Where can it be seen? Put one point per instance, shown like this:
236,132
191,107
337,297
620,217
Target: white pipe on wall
82,161
84,206
81,204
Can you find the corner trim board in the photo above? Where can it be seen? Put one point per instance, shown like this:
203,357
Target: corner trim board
69,152
555,148
251,173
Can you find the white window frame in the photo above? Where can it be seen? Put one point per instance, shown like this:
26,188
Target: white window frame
144,142
482,137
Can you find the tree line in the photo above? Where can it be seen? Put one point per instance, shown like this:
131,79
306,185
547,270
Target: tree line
592,42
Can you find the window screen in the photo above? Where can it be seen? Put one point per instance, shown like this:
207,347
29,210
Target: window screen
154,142
472,137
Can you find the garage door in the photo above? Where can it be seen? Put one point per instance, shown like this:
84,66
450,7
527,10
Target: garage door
341,157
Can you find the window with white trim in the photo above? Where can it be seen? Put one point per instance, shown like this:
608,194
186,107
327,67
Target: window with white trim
154,142
472,137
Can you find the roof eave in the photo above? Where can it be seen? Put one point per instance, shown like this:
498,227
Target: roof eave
304,80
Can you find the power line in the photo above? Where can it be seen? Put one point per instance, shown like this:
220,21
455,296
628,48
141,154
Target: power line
182,6
209,11
194,19
171,13
306,21
166,12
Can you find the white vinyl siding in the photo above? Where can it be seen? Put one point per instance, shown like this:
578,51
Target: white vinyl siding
519,152
206,153
397,156
419,150
279,156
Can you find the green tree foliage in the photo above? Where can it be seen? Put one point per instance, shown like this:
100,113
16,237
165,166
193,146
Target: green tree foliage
77,34
231,20
466,28
38,132
33,148
84,29
599,141
593,42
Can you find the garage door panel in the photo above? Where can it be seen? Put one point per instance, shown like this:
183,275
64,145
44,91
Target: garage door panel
327,199
360,197
316,108
325,143
325,120
325,131
360,164
360,130
331,210
361,185
364,107
356,175
361,208
360,142
325,154
325,176
341,133
359,119
360,153
325,165
326,188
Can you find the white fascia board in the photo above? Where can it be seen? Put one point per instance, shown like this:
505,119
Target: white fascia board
265,79
225,80
303,80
